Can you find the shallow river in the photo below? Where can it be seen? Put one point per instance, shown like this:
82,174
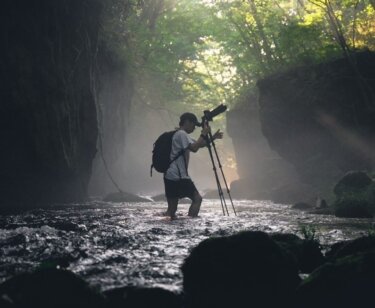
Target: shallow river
112,245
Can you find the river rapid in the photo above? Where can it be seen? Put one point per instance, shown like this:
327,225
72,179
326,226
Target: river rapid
116,244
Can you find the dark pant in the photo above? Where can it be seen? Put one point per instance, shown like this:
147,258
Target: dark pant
179,189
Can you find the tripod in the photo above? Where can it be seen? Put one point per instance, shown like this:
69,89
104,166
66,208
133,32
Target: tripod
210,141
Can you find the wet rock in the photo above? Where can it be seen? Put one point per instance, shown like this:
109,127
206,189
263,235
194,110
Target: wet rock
351,207
124,197
307,252
352,182
347,282
50,288
137,297
303,206
66,226
245,269
346,248
323,211
355,196
161,198
321,204
211,194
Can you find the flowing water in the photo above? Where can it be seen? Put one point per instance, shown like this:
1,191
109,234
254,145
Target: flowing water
116,244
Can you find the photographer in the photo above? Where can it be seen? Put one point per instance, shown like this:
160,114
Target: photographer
177,181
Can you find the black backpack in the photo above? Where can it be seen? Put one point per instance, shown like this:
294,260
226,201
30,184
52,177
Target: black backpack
162,152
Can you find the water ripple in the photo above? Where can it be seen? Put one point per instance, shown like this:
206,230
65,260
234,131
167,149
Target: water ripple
112,245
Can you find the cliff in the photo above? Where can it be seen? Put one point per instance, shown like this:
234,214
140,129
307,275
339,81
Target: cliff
321,118
48,89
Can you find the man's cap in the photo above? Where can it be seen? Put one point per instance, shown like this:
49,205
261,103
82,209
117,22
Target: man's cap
189,116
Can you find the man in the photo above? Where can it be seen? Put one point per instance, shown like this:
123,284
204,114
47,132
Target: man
177,181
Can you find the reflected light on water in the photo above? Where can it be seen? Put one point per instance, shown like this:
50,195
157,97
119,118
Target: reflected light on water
112,245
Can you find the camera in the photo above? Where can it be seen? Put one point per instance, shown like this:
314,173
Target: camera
209,115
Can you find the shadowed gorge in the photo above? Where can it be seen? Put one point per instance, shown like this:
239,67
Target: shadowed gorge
187,153
48,114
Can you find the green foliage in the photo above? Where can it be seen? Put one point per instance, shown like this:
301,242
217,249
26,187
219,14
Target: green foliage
202,53
308,232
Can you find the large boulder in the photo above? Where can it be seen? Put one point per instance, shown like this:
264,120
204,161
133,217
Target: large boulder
355,196
306,251
319,118
347,282
352,182
346,248
50,288
246,269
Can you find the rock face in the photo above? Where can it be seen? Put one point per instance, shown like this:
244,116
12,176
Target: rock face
321,118
115,94
263,173
48,119
243,270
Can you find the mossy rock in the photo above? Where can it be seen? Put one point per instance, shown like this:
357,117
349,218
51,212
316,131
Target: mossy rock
346,248
353,208
307,253
346,282
352,182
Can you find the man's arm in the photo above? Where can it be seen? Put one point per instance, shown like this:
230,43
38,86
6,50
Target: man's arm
201,142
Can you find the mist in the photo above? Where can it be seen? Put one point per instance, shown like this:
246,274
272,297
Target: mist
131,169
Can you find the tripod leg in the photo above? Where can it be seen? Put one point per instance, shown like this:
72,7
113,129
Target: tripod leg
222,173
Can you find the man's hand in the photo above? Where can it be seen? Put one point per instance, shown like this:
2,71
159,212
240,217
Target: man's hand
218,135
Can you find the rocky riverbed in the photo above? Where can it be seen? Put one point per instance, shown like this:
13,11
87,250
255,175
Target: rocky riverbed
116,244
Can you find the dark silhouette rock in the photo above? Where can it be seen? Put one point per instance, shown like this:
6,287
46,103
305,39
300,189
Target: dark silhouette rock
347,282
242,270
307,252
321,203
304,116
124,197
352,182
137,297
50,288
346,248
